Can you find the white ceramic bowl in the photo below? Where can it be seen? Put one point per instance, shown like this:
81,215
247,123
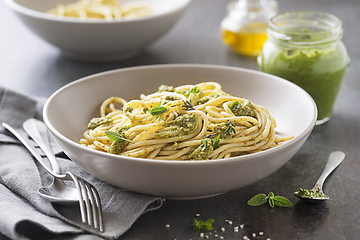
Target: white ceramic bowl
69,109
98,40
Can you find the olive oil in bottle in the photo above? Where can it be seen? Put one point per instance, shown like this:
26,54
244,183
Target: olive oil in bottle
244,28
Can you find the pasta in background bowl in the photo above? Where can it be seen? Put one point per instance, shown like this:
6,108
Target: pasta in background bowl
98,39
68,111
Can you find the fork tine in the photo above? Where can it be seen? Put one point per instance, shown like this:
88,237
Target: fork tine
81,199
98,207
88,204
93,205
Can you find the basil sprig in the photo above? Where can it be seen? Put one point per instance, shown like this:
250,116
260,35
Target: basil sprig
201,226
260,199
187,105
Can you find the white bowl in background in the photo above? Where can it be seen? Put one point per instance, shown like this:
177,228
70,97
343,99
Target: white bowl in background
98,39
68,111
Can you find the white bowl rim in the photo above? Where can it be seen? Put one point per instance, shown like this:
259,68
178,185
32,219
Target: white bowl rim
182,162
42,15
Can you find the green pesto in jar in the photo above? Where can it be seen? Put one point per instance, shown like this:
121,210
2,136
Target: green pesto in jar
319,72
305,48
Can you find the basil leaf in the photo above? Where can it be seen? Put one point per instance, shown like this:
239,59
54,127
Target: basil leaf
257,200
203,144
271,202
158,111
234,105
116,137
282,202
271,199
216,142
203,226
271,195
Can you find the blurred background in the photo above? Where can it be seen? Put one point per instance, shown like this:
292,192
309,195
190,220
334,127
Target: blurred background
25,58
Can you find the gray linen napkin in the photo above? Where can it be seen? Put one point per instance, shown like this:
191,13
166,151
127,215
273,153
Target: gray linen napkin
24,214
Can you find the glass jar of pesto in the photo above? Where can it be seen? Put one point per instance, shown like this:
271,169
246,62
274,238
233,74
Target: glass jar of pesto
306,49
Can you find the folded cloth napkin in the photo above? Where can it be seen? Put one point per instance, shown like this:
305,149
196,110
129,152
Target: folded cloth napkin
24,214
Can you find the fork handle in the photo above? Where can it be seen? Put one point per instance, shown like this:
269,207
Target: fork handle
335,158
34,129
31,150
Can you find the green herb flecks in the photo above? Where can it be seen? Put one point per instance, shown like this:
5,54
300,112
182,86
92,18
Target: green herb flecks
187,105
194,90
145,110
201,226
215,139
230,127
260,199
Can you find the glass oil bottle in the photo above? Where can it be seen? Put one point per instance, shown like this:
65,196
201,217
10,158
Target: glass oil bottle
244,28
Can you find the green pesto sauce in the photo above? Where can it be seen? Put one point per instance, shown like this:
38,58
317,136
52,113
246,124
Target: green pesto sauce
209,97
316,193
180,126
128,109
221,129
318,71
96,122
242,109
118,146
202,151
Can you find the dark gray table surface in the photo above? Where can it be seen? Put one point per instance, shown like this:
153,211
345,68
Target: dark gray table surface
29,65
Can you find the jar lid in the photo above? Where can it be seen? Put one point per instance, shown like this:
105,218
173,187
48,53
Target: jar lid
305,27
253,10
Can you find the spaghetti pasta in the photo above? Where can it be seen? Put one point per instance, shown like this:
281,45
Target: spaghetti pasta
107,9
189,122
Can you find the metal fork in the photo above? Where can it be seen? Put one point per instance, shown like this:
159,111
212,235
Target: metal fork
89,199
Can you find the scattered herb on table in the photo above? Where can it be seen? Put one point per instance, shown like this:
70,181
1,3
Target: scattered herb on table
260,199
203,226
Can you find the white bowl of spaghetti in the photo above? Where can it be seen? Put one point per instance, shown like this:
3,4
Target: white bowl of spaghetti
99,30
207,130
